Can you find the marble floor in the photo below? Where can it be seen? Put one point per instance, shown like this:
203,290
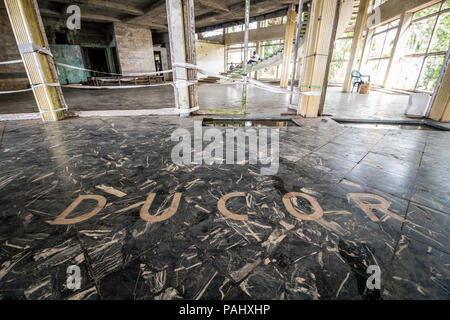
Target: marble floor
370,197
376,105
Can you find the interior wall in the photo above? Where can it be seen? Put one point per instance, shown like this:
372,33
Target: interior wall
12,76
210,56
134,48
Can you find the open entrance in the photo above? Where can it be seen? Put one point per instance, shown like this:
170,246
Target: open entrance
100,59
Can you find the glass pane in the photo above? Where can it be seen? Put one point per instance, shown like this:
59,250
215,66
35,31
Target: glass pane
234,56
420,35
446,5
410,68
371,69
377,45
389,44
337,71
427,11
441,37
269,73
430,73
342,49
381,72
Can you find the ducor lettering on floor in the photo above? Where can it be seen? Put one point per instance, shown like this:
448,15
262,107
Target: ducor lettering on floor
367,207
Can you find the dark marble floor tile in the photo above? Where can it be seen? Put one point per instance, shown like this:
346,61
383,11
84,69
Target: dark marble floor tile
175,269
418,272
429,226
346,152
40,272
395,184
389,164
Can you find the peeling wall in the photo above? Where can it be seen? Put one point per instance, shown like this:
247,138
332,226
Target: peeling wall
210,56
134,48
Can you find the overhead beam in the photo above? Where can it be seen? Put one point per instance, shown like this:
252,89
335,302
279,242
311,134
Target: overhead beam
85,16
159,4
215,5
392,10
116,6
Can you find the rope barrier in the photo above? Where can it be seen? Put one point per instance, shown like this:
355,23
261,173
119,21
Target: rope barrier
11,62
153,73
178,83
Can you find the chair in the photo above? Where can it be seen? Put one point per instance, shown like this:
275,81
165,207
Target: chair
357,78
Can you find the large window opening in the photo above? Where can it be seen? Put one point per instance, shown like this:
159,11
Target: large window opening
428,43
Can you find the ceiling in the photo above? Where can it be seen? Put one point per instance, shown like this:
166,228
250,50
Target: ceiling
152,13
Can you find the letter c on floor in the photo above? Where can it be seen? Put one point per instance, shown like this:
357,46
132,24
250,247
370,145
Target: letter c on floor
318,211
222,206
61,219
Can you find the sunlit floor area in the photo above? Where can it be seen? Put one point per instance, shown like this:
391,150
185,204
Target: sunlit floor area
261,103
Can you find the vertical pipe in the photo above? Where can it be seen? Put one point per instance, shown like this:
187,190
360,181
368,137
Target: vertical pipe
305,56
296,47
247,22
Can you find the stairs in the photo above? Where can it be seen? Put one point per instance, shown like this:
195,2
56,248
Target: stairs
209,80
346,24
273,60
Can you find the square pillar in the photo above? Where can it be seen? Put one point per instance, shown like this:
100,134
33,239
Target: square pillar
323,16
180,18
288,45
30,36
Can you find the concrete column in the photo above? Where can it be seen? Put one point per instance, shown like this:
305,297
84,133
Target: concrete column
288,45
440,108
246,35
399,48
30,36
317,49
189,13
178,44
355,52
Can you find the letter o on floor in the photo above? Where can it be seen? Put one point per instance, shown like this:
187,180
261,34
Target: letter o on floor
318,212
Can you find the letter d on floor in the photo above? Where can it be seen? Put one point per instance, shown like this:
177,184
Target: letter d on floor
61,219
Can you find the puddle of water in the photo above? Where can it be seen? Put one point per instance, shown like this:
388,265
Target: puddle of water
279,123
389,126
